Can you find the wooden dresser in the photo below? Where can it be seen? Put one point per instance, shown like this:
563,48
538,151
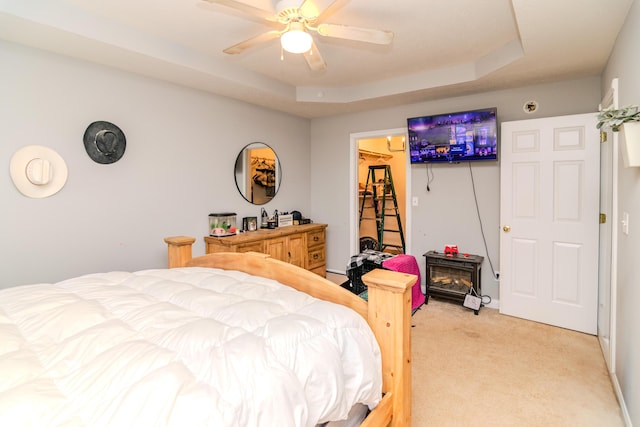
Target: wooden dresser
301,245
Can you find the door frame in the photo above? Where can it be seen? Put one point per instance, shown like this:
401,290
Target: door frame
610,99
354,232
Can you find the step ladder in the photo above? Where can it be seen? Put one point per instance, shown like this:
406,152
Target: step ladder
383,204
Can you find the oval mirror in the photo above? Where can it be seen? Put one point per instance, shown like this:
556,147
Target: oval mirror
257,173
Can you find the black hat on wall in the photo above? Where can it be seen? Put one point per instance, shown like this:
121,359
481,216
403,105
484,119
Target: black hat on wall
105,142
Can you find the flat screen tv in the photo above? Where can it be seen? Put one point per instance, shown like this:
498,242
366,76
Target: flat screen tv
454,137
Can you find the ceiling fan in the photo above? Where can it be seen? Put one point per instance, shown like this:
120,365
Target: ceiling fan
296,20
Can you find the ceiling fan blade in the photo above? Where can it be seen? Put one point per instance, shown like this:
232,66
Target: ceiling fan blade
255,12
314,59
355,33
315,9
242,46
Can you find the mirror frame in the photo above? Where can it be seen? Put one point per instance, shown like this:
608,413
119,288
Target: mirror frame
258,173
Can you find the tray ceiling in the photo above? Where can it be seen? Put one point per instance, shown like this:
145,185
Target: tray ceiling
440,48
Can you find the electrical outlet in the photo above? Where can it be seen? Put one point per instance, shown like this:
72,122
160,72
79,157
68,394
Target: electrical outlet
414,201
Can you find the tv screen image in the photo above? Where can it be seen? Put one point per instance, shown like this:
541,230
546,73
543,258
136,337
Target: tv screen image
454,137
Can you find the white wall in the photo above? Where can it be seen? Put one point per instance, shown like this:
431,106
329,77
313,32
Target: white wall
624,64
447,213
177,168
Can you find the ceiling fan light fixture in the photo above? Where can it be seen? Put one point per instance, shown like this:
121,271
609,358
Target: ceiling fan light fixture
296,39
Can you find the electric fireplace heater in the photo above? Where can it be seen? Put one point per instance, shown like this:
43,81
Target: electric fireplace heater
452,277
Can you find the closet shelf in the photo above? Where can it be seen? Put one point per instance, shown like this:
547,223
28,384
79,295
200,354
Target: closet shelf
367,153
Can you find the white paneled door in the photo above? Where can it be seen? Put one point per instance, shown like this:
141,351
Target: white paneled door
549,198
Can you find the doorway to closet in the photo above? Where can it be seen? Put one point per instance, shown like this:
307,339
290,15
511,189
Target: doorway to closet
376,148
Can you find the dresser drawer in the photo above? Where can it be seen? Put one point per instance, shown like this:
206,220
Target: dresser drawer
251,247
214,246
316,257
315,238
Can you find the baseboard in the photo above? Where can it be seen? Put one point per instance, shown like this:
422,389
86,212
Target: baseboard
344,273
623,406
495,303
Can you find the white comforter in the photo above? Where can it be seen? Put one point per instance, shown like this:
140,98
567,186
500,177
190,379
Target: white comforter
180,347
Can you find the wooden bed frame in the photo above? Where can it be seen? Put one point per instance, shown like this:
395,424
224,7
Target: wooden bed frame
388,313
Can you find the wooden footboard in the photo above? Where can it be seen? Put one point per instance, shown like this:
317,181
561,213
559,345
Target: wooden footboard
388,312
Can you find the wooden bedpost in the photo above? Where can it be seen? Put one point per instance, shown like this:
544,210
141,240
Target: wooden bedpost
390,318
180,250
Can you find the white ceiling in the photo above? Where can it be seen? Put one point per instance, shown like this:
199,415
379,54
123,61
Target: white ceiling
441,48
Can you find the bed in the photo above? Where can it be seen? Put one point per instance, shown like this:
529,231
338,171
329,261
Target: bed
191,345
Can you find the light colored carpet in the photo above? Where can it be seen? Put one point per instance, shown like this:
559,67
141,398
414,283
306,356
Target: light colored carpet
336,278
496,370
